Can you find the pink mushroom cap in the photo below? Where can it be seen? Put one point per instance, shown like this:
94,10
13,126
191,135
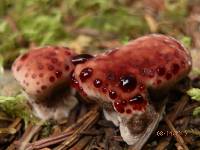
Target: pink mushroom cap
42,71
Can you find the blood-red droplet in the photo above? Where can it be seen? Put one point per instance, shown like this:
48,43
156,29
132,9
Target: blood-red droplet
175,68
50,67
113,94
104,89
161,70
159,81
124,102
141,87
43,87
97,83
128,83
24,57
119,107
58,74
51,79
66,67
168,76
85,74
67,52
128,111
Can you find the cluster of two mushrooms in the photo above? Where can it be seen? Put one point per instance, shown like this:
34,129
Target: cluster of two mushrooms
123,81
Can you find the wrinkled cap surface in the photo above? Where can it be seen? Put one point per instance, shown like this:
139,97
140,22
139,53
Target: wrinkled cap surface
122,76
42,70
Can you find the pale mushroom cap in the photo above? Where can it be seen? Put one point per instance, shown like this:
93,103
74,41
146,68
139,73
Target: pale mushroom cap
42,70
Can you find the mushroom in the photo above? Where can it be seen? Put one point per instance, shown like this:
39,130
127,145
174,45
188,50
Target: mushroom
131,83
44,73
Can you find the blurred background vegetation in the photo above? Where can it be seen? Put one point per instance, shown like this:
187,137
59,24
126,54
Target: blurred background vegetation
91,25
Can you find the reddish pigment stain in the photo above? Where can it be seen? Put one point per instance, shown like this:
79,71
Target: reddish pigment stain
51,79
168,76
58,74
34,76
112,94
38,91
18,68
159,81
161,71
66,67
147,72
128,83
25,56
37,83
85,74
50,67
67,53
97,83
40,66
119,107
41,75
26,75
111,76
54,60
128,111
43,87
79,59
175,68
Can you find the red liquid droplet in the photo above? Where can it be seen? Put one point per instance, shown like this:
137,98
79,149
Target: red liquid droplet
119,107
142,87
175,68
128,83
66,67
97,83
128,111
104,89
161,71
159,81
112,94
168,76
58,74
85,74
52,79
25,56
124,102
